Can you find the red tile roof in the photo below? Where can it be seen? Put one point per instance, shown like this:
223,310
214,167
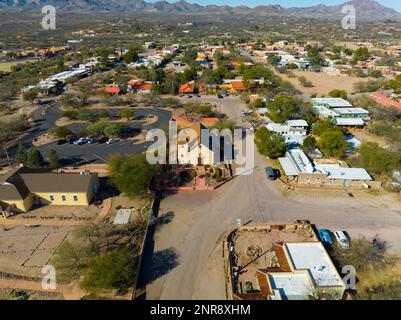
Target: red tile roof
187,88
386,101
146,86
112,90
135,83
237,85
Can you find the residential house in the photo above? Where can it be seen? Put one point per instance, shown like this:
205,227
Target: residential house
294,131
22,188
145,88
301,170
112,90
291,264
187,88
342,112
305,271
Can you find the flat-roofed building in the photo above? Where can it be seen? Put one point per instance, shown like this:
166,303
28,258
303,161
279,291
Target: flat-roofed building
312,274
352,113
280,262
331,102
297,166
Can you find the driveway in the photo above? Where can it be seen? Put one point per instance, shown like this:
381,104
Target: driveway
188,237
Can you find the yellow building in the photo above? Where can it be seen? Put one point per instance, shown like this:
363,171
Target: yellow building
23,188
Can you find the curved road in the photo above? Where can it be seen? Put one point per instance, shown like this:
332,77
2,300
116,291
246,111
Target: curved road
99,153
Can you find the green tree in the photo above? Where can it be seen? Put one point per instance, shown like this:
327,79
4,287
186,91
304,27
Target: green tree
112,270
314,56
309,144
322,126
269,143
131,175
281,108
54,161
377,160
127,113
84,91
115,129
61,132
362,253
21,155
69,260
30,95
34,158
131,56
332,144
362,54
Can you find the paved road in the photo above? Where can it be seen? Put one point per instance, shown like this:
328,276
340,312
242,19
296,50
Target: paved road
99,153
186,261
187,242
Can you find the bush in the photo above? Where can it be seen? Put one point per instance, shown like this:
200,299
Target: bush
269,144
336,93
305,82
131,175
70,114
377,160
217,173
61,132
112,270
332,144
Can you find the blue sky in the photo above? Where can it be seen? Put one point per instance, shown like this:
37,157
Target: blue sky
396,4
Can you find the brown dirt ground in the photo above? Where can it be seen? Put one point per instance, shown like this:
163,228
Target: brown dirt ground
323,83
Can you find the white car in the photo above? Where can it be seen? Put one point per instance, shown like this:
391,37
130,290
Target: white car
111,141
342,239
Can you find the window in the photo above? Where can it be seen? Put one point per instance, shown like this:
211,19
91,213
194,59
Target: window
63,198
51,198
75,198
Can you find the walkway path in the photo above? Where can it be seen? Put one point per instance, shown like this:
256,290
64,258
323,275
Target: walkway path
70,292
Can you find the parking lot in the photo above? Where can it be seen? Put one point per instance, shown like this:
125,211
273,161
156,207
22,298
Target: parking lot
99,153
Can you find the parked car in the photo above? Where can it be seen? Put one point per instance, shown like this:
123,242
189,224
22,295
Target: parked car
342,239
102,139
246,112
326,237
111,141
254,123
81,141
71,138
92,140
271,175
219,96
61,141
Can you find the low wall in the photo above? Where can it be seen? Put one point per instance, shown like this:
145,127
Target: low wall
194,188
142,252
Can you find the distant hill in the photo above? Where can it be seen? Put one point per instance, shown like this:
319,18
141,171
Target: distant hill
365,9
